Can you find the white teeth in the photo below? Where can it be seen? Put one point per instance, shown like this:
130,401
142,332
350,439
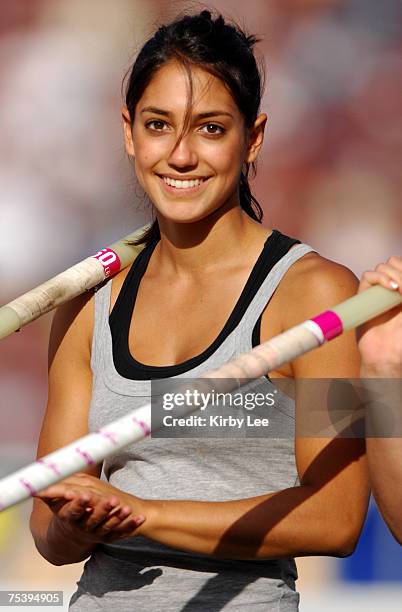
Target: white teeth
182,184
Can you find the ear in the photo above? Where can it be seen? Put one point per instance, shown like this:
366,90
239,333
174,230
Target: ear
128,135
256,138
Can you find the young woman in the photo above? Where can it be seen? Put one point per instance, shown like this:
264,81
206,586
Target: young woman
197,524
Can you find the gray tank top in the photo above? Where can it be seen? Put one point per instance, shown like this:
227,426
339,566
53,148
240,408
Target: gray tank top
145,576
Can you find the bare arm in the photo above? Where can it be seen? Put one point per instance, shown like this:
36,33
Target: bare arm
65,530
380,343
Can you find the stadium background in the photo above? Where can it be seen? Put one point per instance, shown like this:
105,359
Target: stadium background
330,174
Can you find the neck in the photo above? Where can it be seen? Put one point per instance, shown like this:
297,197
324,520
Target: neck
202,246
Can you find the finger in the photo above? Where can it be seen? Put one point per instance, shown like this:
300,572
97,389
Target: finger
387,277
110,523
56,504
120,519
391,270
77,508
128,523
396,262
60,491
126,529
384,275
104,509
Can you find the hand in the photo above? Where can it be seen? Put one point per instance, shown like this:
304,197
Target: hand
90,510
380,340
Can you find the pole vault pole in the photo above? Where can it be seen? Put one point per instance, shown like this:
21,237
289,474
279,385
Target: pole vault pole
133,427
68,284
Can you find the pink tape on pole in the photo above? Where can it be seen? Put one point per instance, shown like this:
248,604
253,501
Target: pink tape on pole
31,490
143,426
329,323
51,466
86,456
109,260
108,435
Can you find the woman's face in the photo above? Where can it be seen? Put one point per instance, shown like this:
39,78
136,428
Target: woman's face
190,178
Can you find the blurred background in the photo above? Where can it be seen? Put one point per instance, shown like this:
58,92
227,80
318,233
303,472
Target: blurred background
330,174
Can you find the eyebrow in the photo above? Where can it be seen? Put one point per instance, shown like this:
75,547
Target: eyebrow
165,113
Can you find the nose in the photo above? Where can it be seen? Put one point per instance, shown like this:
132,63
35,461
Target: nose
183,155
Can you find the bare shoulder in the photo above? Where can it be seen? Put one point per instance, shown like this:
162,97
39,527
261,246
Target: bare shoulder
73,324
313,283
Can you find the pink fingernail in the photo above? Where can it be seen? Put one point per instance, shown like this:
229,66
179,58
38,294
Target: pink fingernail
139,520
393,284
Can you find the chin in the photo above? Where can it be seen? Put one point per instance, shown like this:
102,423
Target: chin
184,219
186,215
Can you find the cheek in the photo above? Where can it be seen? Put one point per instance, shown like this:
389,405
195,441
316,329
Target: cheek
144,160
143,146
228,162
140,166
151,152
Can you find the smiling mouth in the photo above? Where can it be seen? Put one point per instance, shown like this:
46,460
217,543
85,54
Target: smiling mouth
179,185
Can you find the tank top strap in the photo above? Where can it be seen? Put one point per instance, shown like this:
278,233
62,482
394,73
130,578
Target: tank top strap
101,323
251,318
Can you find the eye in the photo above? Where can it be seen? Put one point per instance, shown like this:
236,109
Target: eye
156,125
213,129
